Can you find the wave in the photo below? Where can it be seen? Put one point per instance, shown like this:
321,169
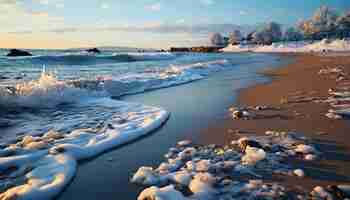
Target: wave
49,92
46,92
86,58
134,83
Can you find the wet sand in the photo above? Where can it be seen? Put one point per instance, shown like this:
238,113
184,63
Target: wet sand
296,80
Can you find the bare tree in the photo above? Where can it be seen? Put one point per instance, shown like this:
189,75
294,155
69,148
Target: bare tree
321,24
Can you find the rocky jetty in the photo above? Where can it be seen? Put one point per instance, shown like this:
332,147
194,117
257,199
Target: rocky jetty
196,49
17,52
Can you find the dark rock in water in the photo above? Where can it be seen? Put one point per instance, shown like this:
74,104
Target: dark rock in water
3,77
93,50
17,52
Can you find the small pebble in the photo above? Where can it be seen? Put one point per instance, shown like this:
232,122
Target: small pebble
299,173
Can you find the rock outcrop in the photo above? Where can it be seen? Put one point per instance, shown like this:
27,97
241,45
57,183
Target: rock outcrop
17,52
93,50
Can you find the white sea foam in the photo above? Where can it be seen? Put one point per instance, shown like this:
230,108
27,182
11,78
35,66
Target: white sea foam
45,92
47,163
171,76
44,178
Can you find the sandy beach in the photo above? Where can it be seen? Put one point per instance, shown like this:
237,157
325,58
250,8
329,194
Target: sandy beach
289,95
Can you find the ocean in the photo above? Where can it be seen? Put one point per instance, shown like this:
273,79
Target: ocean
99,102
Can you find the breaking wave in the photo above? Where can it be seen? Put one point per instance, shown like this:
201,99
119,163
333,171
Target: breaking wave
48,91
45,92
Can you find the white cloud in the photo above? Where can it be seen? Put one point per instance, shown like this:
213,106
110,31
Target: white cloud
154,7
44,2
105,6
207,2
242,12
59,5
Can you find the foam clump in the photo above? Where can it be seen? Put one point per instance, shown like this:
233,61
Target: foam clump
165,193
299,172
214,172
45,179
146,176
253,155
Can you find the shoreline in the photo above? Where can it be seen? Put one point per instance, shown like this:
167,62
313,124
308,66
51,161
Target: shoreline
296,79
188,119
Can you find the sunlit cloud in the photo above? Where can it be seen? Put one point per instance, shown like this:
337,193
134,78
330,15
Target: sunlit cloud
154,7
13,13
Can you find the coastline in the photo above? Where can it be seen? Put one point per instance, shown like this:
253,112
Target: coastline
297,79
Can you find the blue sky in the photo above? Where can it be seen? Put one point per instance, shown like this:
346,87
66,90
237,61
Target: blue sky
140,23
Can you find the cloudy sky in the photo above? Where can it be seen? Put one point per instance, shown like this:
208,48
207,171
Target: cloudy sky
140,23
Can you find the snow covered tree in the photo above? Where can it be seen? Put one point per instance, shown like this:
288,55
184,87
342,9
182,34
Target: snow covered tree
262,37
343,25
235,37
292,34
268,34
216,39
322,24
275,30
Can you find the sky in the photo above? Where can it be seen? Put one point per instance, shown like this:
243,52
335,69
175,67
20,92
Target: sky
141,23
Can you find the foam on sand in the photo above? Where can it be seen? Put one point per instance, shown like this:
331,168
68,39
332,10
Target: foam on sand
50,159
44,178
39,167
213,172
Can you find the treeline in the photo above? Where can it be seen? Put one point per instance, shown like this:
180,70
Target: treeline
325,23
